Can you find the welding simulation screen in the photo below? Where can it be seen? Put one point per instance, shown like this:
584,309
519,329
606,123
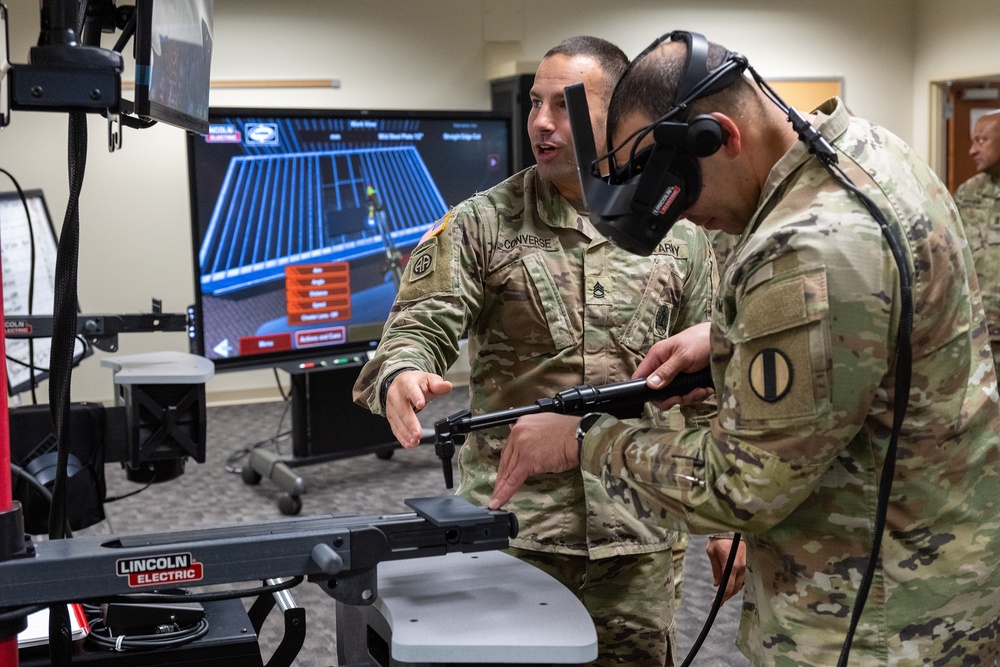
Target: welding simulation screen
302,220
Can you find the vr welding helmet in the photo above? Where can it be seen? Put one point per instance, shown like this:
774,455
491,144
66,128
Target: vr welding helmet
637,204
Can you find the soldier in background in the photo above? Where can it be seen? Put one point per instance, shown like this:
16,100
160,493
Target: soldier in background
802,347
978,202
550,304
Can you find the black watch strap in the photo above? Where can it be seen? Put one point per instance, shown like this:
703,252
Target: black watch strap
586,422
388,381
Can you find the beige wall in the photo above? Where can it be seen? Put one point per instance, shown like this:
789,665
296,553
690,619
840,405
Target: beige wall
135,225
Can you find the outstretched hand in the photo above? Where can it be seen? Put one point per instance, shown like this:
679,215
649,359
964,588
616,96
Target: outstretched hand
408,394
539,443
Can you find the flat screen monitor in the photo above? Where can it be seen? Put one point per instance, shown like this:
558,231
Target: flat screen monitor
25,230
302,221
173,59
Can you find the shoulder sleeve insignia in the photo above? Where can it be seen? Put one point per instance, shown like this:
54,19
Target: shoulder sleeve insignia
770,375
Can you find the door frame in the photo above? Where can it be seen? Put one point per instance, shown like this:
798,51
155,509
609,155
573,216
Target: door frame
955,105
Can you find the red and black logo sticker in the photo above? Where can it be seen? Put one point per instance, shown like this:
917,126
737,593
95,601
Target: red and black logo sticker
15,327
770,375
159,570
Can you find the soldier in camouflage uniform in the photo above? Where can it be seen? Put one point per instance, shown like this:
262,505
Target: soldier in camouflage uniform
978,202
723,245
548,304
802,349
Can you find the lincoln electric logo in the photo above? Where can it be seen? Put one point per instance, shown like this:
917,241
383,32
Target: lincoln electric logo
223,133
262,134
666,200
153,570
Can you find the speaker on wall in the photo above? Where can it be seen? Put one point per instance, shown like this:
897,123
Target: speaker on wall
509,96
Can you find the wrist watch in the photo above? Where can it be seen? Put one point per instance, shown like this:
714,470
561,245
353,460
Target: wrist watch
586,422
388,381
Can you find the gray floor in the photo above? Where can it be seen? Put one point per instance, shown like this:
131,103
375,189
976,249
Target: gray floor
207,495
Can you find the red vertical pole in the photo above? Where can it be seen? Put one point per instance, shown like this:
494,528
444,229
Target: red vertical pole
8,646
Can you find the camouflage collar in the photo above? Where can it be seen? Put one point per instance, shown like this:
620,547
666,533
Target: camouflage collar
832,120
984,184
555,210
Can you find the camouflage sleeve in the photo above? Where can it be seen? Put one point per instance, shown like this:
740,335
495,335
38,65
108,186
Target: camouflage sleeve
964,195
789,400
440,294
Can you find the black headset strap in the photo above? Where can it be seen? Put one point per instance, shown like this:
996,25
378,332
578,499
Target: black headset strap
695,63
628,68
696,82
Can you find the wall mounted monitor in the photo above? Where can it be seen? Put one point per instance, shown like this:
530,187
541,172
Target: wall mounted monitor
302,220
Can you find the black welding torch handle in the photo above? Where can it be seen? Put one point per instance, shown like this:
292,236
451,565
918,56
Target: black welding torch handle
586,398
622,399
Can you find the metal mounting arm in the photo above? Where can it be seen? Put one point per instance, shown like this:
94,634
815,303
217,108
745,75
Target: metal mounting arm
101,331
340,554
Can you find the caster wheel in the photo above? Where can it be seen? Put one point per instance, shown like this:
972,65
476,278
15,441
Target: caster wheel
385,454
250,476
289,505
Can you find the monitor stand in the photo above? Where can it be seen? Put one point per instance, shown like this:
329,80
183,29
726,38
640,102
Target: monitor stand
326,425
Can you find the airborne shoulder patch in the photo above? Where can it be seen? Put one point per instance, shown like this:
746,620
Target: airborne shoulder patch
421,264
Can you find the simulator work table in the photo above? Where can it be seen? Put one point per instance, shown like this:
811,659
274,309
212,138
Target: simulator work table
481,608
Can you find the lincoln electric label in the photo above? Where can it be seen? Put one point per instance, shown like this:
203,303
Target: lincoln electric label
154,570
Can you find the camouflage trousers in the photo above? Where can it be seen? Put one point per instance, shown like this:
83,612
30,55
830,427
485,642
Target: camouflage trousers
630,599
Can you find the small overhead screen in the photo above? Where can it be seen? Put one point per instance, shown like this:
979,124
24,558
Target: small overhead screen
25,230
173,59
303,219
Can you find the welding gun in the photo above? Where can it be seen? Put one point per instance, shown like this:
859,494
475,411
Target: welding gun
624,400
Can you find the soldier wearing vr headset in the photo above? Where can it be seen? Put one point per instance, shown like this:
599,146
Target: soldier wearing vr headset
549,304
848,341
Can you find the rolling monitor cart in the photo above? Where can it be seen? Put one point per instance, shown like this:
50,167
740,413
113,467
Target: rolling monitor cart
302,223
326,426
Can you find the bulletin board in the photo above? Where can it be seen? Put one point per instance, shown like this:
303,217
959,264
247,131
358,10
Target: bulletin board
807,94
26,229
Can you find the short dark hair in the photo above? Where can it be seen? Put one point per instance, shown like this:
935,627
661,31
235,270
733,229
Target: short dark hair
612,59
650,87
